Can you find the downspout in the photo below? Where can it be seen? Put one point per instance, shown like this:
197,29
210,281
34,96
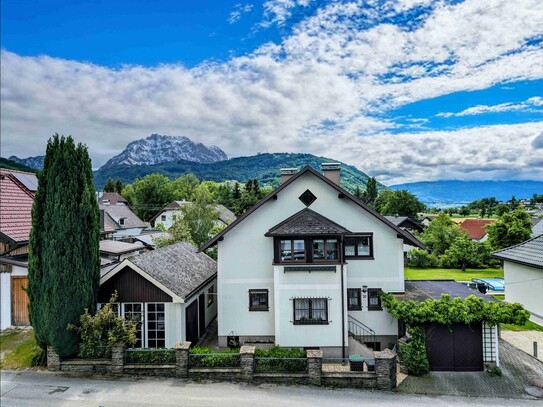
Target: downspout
342,301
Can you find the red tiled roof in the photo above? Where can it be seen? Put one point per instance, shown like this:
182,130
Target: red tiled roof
15,208
475,227
113,198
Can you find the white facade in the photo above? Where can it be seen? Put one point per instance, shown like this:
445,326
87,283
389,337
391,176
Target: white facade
5,294
524,284
167,218
246,262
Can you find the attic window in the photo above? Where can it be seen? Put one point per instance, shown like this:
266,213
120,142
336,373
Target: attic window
307,197
121,221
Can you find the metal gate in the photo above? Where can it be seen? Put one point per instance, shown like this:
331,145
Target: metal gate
19,301
458,347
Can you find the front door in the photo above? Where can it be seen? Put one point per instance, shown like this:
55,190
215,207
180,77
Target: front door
19,301
191,323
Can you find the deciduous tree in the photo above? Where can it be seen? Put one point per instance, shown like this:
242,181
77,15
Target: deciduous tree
510,229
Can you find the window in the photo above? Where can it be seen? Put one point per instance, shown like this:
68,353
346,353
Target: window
354,299
156,326
374,299
211,296
292,250
258,300
121,221
134,312
163,218
359,246
325,250
114,307
310,311
307,197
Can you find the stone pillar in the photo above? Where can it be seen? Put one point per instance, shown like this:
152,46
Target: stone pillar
314,366
385,368
182,360
117,358
247,363
53,360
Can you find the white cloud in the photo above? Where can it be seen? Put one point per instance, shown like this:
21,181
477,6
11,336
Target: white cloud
279,11
324,89
238,12
529,105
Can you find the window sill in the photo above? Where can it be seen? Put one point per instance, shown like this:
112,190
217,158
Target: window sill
315,263
311,323
359,258
259,309
375,309
358,308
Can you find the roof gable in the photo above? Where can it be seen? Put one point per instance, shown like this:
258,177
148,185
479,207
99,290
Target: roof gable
307,222
475,227
528,253
407,237
15,208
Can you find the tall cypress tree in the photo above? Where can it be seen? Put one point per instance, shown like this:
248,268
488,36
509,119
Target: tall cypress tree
64,259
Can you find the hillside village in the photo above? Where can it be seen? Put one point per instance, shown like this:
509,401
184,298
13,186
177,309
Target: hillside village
303,281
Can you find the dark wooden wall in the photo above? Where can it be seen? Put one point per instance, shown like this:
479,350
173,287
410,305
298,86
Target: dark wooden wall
131,287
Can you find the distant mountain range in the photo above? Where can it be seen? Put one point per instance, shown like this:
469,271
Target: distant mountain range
264,167
158,149
14,165
35,163
174,156
442,193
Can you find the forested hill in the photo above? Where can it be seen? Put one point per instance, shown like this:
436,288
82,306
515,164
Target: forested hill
263,167
14,165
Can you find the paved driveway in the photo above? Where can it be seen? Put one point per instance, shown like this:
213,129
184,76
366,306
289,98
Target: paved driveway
519,371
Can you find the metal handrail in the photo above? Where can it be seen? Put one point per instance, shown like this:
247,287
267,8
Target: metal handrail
361,332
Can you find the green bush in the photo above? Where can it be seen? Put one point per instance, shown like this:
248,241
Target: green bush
150,356
413,353
419,258
98,332
207,357
281,360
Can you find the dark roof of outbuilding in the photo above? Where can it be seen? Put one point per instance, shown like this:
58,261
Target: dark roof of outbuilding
405,222
307,222
420,290
179,267
407,237
529,253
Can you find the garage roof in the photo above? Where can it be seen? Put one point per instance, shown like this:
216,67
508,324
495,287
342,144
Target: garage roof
421,290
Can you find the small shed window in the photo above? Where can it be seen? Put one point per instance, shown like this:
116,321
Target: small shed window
258,300
156,326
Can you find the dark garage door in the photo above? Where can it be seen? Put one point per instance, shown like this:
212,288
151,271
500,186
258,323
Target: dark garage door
455,348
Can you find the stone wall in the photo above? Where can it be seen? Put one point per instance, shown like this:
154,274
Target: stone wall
383,378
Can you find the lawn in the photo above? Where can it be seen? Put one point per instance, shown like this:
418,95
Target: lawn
17,348
451,274
529,326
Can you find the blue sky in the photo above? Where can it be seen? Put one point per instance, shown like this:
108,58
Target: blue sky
407,90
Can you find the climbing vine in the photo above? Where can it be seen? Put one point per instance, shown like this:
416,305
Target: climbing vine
445,311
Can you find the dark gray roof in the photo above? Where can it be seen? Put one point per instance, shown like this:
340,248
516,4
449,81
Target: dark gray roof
225,215
405,222
529,253
117,247
29,180
179,267
421,290
307,222
116,212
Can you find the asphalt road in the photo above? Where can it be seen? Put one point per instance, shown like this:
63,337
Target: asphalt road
51,389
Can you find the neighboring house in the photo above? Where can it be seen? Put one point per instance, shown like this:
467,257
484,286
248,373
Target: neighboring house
459,346
171,292
112,198
475,228
537,227
305,266
408,225
426,220
120,218
169,214
523,273
17,191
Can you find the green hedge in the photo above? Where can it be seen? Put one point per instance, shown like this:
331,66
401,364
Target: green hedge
150,356
279,359
202,356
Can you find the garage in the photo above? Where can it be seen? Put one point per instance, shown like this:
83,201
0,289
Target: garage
457,348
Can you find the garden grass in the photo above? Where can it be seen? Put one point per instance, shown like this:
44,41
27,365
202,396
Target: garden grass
529,326
451,274
17,348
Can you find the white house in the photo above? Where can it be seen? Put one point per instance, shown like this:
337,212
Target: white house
523,275
304,267
170,290
169,214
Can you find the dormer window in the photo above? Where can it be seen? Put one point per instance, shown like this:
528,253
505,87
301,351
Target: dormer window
121,221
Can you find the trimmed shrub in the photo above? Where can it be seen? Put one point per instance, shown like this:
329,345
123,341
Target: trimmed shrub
150,356
419,258
280,360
